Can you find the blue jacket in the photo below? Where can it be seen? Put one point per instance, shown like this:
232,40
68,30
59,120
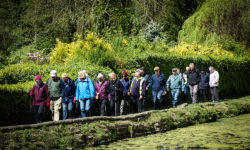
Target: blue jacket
126,85
157,83
175,82
69,91
85,89
204,82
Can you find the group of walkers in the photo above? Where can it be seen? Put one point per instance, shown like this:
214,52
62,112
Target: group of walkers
115,95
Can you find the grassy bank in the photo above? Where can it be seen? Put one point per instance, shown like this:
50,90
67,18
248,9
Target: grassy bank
84,132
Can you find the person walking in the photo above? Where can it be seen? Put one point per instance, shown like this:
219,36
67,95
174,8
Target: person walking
193,80
40,97
186,85
115,91
204,85
125,99
158,87
100,90
85,93
176,85
147,79
214,83
137,91
56,88
68,96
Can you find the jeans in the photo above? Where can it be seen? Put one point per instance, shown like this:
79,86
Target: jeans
115,107
214,92
55,107
204,94
175,94
67,109
85,107
38,113
102,104
193,92
157,99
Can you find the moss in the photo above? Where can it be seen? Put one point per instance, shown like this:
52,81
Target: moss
84,134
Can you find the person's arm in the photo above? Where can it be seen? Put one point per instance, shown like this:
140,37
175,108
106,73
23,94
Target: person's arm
199,76
77,91
143,88
167,84
47,93
92,89
150,82
217,77
182,85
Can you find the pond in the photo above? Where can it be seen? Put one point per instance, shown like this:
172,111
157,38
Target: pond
227,133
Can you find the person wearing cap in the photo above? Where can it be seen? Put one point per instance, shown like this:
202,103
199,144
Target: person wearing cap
204,85
158,87
193,81
40,97
85,92
214,83
137,91
125,98
175,84
115,91
101,95
56,88
147,78
67,96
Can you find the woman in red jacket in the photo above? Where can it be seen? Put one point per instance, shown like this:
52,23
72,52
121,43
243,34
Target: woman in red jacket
40,96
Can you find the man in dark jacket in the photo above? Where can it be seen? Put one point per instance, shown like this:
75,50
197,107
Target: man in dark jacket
158,87
204,85
125,99
193,80
67,96
115,91
137,91
147,79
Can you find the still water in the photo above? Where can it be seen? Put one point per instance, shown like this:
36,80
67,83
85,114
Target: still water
227,133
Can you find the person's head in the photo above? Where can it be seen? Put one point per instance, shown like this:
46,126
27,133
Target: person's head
53,74
112,76
65,77
191,66
157,70
211,69
187,68
178,70
124,74
100,77
82,74
174,71
203,70
138,73
38,79
142,70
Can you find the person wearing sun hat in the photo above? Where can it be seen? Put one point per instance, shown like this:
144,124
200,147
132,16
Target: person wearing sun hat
40,97
56,88
158,83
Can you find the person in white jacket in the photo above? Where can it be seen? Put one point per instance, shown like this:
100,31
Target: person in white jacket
214,83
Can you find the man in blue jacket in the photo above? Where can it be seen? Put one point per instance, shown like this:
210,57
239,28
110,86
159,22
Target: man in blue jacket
204,85
67,96
85,92
158,87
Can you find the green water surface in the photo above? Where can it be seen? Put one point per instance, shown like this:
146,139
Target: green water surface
227,133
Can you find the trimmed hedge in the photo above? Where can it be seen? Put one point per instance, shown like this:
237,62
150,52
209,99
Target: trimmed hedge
84,132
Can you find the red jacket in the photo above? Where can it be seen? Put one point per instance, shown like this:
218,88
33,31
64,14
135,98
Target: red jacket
102,89
40,94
